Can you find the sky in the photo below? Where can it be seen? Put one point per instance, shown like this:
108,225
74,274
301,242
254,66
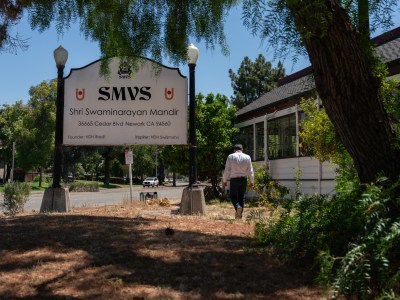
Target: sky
19,72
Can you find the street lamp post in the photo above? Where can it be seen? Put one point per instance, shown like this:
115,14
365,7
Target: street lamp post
60,56
193,201
56,198
193,54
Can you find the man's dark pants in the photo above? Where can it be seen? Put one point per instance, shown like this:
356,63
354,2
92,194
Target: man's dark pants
237,190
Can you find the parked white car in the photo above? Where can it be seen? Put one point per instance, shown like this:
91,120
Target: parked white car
150,181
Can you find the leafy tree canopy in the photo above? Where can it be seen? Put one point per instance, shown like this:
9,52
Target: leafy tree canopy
144,160
152,28
10,13
336,37
335,34
275,21
215,136
11,120
37,133
253,79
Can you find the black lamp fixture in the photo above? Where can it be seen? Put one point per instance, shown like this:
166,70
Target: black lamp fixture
192,56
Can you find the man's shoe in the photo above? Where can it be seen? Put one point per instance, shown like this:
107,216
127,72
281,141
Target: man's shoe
238,214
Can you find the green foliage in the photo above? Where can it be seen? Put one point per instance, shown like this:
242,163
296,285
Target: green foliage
160,29
38,185
15,196
144,160
297,182
356,243
319,139
153,28
84,187
318,134
116,168
45,178
253,79
274,21
110,163
36,142
209,195
269,191
346,179
10,13
302,226
31,127
83,160
90,161
78,171
215,135
370,268
390,95
318,24
176,158
11,122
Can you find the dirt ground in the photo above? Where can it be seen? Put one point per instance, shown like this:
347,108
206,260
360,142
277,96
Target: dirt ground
138,251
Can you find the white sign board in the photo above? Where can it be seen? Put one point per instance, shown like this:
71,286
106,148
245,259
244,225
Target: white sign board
128,157
127,108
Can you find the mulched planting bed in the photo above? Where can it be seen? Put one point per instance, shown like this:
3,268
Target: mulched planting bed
138,251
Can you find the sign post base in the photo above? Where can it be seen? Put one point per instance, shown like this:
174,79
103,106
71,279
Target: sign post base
55,200
193,201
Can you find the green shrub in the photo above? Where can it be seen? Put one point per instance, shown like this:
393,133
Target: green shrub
370,269
45,178
302,227
354,236
84,187
117,180
269,190
210,194
15,196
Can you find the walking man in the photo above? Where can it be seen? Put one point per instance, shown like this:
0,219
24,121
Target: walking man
237,168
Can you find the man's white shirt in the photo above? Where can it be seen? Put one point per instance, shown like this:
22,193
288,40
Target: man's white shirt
238,164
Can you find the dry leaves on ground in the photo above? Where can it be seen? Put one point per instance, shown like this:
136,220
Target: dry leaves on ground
141,251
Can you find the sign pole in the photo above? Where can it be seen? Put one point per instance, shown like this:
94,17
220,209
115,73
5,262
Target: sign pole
129,161
130,180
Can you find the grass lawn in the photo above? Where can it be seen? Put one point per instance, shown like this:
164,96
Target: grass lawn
35,185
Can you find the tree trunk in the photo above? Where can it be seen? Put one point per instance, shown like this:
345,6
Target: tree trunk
40,176
350,94
161,171
214,185
8,173
107,162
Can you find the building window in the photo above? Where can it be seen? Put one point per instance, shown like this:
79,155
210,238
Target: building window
304,149
282,137
259,141
246,138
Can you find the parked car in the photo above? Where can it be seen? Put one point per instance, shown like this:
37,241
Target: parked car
150,181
